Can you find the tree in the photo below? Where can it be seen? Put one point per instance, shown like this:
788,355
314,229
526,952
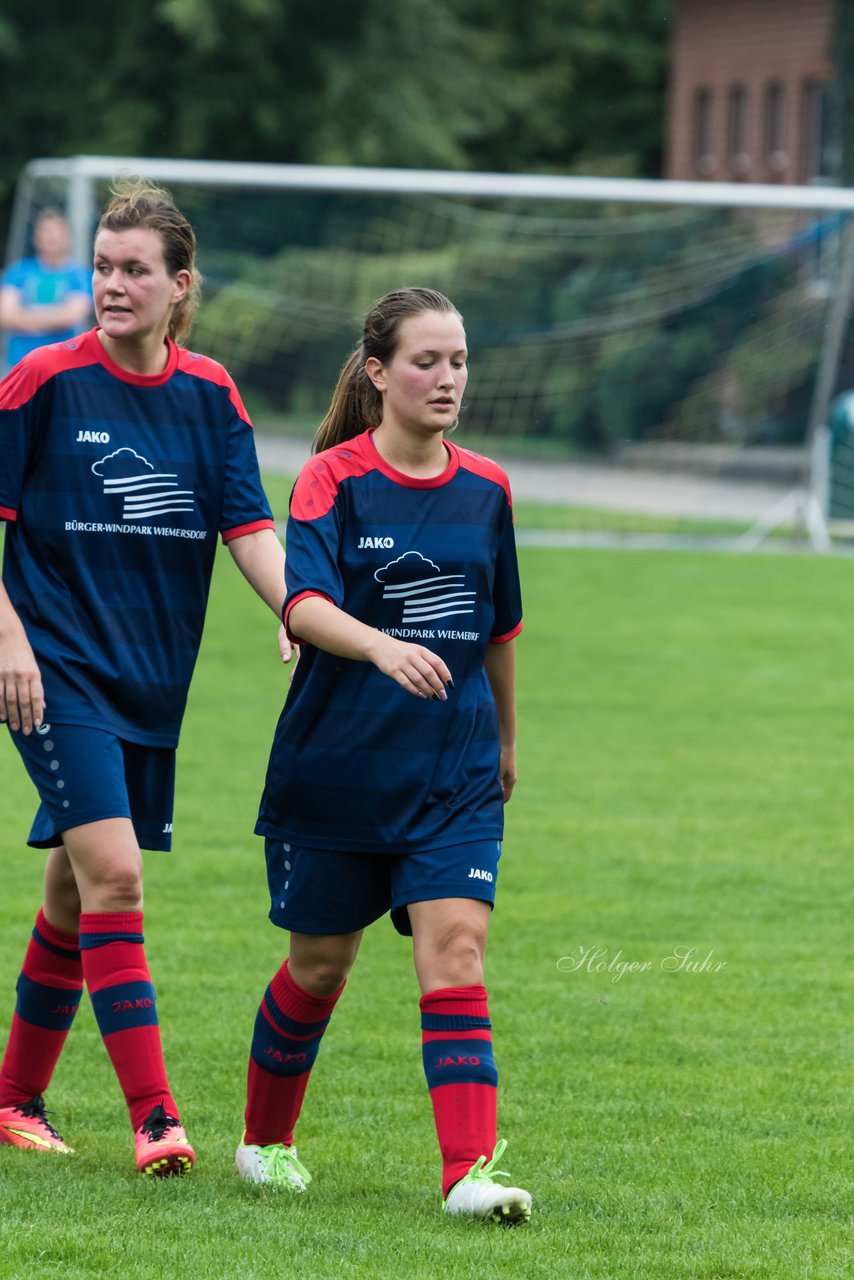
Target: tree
525,85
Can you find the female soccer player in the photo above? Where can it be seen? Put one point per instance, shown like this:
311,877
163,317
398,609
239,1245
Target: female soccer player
396,748
122,455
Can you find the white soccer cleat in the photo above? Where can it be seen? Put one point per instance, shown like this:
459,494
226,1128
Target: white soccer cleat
478,1195
273,1166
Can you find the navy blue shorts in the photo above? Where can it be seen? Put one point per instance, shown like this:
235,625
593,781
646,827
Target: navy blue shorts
84,775
325,892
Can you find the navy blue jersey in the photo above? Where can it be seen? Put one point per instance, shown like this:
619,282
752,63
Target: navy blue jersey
115,487
358,764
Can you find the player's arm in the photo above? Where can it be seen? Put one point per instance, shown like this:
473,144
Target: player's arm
42,317
417,670
21,692
500,664
261,559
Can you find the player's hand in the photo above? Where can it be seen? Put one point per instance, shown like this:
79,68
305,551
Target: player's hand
507,770
21,690
417,670
288,650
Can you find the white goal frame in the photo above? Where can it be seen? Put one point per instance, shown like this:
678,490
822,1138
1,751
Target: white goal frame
80,173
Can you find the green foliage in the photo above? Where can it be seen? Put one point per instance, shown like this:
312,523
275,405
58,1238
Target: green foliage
430,83
591,331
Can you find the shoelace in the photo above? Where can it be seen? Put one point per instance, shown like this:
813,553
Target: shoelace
158,1124
35,1110
281,1159
484,1170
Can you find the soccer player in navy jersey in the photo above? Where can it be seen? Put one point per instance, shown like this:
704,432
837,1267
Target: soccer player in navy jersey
395,751
122,456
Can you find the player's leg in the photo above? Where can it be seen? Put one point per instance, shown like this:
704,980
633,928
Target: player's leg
449,946
49,990
324,900
107,865
70,769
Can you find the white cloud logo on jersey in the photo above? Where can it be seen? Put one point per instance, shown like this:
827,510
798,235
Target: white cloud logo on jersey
145,492
426,592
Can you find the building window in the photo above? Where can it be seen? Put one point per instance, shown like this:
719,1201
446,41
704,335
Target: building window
776,157
821,151
737,131
704,160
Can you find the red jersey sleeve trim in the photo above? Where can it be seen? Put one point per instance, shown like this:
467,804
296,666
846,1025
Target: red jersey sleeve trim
6,513
508,635
303,595
241,530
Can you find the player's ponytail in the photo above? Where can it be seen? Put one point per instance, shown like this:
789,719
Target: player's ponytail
356,404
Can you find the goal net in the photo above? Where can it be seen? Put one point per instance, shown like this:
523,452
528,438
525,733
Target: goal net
616,324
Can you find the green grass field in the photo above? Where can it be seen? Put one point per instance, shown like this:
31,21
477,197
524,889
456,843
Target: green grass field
686,782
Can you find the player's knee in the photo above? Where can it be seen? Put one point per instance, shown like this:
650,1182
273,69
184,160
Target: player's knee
320,976
459,955
118,889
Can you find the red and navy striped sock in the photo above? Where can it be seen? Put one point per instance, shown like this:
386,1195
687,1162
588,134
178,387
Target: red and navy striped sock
288,1030
116,972
49,990
456,1044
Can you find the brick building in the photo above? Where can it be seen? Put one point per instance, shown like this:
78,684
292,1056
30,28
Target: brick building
750,91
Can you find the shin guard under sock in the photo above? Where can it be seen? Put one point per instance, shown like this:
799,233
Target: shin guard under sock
456,1037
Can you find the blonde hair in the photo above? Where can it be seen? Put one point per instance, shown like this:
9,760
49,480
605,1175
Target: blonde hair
137,202
356,403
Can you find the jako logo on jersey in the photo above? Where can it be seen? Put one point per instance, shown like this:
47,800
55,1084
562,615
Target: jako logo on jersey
42,729
93,437
375,542
477,874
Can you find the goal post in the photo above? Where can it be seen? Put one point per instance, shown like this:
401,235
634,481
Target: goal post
693,327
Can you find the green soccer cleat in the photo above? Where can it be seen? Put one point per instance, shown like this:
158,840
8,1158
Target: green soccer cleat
478,1195
273,1166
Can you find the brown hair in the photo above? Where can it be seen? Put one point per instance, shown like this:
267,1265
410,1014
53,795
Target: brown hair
356,403
137,202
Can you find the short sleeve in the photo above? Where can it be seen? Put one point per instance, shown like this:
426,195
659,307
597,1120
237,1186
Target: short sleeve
506,590
245,508
312,547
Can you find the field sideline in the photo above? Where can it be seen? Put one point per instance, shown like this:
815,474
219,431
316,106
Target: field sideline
686,761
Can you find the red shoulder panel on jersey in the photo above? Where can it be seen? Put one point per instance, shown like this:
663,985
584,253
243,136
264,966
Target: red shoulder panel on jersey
6,513
241,530
39,366
203,367
318,483
484,467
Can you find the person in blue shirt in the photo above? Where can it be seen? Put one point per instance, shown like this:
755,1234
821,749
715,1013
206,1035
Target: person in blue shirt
45,298
123,456
395,752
